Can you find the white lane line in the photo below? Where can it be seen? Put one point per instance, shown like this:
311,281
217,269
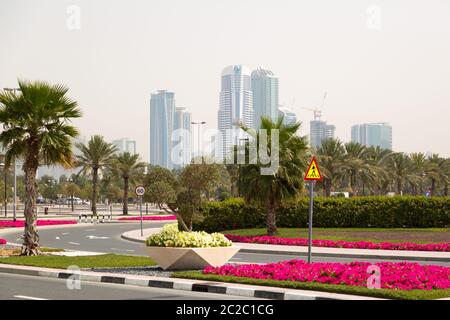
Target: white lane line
75,243
29,298
90,230
95,237
126,250
63,234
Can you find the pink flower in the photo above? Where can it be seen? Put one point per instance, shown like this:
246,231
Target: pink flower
443,246
3,242
151,218
21,223
401,276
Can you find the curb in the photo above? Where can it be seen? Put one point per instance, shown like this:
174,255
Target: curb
346,255
181,284
372,256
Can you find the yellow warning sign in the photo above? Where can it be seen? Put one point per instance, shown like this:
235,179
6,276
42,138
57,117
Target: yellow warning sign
313,172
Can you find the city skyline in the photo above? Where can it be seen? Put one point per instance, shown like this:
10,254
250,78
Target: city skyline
396,73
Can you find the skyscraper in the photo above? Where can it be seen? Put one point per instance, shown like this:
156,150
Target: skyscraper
182,128
289,116
125,145
265,95
162,110
235,106
318,131
373,134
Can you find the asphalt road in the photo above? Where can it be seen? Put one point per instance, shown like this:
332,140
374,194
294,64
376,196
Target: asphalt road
20,287
106,238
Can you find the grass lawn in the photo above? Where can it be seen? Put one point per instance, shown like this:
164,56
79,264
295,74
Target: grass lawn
357,234
61,262
362,291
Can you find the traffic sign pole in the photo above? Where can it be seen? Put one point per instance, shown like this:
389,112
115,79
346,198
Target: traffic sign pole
310,223
142,230
312,175
140,191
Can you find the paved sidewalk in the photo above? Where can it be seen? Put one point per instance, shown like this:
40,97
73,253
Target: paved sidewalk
135,235
181,284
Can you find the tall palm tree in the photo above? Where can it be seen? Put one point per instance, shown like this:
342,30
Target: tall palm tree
401,168
95,156
128,167
419,167
378,159
437,172
37,128
331,156
286,182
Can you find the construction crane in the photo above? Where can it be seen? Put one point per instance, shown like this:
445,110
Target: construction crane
318,111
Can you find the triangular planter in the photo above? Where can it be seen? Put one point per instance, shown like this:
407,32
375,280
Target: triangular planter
170,258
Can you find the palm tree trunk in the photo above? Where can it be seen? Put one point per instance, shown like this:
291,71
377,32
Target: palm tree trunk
125,196
399,186
446,190
30,245
271,218
433,186
327,187
94,191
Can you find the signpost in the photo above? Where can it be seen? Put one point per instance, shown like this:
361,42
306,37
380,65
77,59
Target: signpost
140,191
312,175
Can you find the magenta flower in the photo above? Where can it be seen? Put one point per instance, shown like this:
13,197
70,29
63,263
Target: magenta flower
443,246
400,275
21,223
3,242
151,218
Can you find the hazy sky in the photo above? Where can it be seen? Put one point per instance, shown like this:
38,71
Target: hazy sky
378,60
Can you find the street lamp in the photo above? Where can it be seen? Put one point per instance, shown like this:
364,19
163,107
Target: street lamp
199,128
71,188
3,165
15,175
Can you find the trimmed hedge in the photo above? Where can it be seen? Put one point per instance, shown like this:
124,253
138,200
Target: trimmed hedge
358,212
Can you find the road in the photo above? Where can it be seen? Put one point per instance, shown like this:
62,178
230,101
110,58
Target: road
20,287
106,238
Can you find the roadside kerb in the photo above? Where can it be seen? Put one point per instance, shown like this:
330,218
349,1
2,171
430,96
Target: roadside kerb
183,284
255,248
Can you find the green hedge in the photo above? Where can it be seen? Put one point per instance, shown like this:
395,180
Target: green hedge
360,212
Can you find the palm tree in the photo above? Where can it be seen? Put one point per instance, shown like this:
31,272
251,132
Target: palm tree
401,168
331,156
36,128
437,172
419,167
128,167
95,156
286,182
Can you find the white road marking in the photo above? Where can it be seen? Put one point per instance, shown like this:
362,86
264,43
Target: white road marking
96,238
29,298
90,230
76,243
57,238
126,250
63,234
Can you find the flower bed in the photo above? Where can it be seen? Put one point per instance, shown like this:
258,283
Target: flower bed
21,223
151,218
170,236
401,276
445,246
3,242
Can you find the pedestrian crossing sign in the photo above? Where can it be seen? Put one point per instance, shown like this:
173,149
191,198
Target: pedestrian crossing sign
313,172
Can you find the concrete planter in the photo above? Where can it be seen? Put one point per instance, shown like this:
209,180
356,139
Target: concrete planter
170,258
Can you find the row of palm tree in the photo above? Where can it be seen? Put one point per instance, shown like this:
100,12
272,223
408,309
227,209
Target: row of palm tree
365,170
37,128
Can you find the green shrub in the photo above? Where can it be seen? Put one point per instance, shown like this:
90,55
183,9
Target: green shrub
170,236
358,212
